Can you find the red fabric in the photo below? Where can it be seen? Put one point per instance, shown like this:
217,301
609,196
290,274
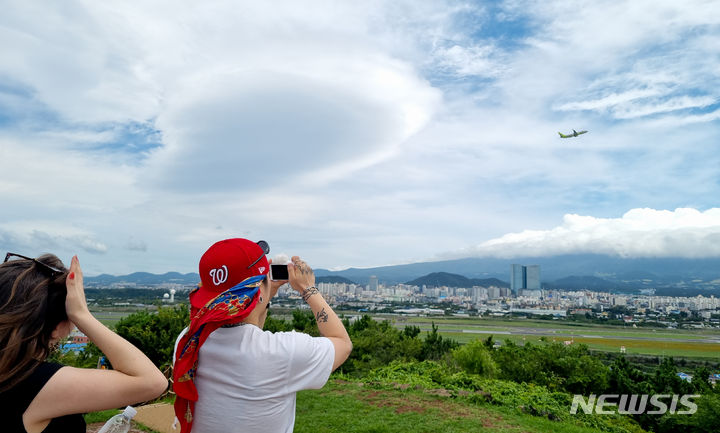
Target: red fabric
231,306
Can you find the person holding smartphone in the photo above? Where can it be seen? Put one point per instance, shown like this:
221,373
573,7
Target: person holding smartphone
230,375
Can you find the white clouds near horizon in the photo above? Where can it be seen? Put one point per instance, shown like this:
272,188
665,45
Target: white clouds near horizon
684,232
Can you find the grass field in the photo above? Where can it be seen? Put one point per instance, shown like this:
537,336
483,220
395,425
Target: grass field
641,347
564,325
110,318
650,347
351,408
342,407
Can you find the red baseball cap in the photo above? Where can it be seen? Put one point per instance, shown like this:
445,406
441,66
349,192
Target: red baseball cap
227,263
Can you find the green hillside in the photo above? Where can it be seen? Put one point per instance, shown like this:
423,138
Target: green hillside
412,379
350,407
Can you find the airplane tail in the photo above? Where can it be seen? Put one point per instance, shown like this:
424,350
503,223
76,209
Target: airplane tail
561,135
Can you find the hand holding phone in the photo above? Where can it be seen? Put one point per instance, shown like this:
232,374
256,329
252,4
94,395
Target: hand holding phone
279,272
302,276
278,268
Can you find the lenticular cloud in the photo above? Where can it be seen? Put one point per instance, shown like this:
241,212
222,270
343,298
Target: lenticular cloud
684,232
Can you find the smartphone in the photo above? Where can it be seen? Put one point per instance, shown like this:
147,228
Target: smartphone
279,273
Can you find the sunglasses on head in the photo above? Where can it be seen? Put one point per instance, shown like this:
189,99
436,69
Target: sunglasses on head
53,271
266,250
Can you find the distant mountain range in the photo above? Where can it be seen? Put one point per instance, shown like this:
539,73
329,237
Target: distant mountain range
437,279
580,271
620,272
333,279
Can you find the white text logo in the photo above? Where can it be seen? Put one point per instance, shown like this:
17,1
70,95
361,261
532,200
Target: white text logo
634,404
219,275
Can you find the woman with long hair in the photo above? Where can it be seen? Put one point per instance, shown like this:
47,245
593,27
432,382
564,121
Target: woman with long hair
40,302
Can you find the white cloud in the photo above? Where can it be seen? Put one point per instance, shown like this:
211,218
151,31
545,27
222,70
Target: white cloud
675,120
684,232
673,104
308,119
640,102
136,245
75,62
609,100
470,61
36,173
299,88
625,59
46,235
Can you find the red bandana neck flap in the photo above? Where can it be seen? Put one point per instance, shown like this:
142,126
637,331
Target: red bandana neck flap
229,307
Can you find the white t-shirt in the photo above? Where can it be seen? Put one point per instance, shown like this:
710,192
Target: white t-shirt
247,378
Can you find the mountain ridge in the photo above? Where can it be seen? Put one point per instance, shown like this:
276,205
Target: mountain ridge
438,279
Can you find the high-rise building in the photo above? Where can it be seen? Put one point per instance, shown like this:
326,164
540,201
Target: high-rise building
517,278
532,277
373,283
478,294
524,278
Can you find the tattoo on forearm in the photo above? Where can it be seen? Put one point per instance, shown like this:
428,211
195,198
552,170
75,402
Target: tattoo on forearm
321,316
307,293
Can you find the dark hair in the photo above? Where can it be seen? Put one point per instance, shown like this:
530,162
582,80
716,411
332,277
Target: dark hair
32,304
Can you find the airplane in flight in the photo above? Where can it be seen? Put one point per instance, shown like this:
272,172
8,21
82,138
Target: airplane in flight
574,134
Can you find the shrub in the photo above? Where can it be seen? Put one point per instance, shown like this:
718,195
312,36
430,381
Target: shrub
155,333
476,358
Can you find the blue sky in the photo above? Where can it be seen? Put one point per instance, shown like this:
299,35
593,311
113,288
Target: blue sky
359,135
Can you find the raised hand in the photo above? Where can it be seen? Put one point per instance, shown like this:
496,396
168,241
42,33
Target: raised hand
75,303
301,275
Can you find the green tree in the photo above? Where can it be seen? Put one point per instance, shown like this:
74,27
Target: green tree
489,343
411,331
559,367
705,420
435,346
274,324
376,344
304,321
666,380
154,333
700,381
476,358
623,378
85,358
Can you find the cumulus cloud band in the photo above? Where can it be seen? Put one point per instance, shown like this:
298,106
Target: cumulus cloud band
642,232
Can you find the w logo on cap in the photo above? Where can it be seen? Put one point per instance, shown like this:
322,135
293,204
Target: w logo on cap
219,275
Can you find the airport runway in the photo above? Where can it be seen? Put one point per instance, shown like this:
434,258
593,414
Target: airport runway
565,334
